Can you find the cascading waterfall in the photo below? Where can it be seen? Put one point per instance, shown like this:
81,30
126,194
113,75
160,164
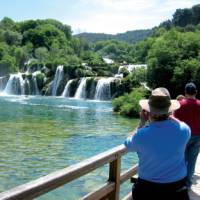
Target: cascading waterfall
81,90
66,90
103,89
15,85
58,77
27,88
35,86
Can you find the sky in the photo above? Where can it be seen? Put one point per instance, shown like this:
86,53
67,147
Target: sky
97,16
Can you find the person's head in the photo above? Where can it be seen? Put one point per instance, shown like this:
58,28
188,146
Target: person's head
159,104
180,97
190,89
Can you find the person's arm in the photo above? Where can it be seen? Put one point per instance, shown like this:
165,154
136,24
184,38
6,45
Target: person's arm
131,142
144,117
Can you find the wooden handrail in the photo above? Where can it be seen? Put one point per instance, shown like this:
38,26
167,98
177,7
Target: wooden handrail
56,179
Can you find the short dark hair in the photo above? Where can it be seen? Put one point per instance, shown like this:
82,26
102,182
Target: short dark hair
190,88
160,117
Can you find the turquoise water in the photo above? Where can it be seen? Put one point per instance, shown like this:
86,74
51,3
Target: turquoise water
40,135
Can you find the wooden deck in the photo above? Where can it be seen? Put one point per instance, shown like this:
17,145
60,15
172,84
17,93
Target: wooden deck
195,190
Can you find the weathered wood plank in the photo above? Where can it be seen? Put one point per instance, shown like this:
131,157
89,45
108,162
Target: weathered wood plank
114,176
56,179
101,192
128,174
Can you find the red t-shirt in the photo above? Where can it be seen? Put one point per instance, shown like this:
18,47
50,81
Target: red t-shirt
189,112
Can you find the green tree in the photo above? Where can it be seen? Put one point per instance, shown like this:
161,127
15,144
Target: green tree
12,37
44,36
7,24
182,17
128,104
4,50
21,57
162,58
7,65
42,54
184,72
196,14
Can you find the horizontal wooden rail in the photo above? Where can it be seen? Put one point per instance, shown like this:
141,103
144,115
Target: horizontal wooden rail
56,179
101,192
128,174
110,187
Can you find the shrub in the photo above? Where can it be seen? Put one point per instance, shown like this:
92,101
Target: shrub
128,104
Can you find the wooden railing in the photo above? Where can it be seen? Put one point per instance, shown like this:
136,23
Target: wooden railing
109,191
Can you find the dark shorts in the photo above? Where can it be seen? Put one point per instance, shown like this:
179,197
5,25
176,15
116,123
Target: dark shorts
146,190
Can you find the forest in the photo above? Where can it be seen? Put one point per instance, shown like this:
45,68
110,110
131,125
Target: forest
171,52
130,37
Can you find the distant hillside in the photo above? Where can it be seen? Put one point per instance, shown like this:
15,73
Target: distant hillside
130,37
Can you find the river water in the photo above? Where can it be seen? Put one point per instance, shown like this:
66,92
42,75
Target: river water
39,135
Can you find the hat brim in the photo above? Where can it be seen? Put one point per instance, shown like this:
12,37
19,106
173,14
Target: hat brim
144,103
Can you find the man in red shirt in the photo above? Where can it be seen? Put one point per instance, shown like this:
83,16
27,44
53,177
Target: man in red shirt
189,112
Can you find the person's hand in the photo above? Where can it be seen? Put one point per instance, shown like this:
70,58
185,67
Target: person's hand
144,117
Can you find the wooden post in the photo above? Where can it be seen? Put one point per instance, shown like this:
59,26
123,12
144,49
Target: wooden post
114,176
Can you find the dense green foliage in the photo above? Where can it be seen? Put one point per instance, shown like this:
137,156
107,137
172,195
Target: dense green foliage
38,43
128,104
116,50
43,40
130,37
174,59
186,18
172,54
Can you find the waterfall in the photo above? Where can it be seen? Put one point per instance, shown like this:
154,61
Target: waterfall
35,86
67,88
15,84
27,88
81,90
103,89
56,81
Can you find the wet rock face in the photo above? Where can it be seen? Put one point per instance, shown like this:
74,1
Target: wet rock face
115,88
47,89
61,86
73,87
90,88
3,82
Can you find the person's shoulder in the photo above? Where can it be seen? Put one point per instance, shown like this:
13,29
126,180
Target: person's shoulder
185,129
183,101
198,102
143,130
179,124
183,126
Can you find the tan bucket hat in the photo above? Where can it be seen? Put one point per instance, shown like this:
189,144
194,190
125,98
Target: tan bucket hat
159,102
